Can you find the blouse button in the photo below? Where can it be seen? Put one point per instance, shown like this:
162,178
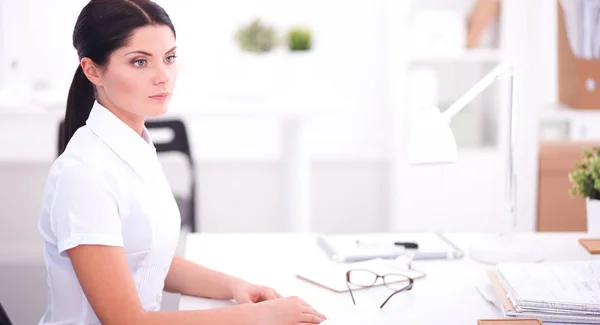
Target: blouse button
76,239
159,299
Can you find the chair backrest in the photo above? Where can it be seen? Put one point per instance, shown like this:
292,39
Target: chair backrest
4,320
179,143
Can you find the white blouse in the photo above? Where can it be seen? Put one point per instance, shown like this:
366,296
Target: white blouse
107,188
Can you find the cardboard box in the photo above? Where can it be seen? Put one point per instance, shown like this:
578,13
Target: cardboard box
557,210
578,79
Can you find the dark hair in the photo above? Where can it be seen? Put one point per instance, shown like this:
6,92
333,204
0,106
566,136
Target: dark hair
102,27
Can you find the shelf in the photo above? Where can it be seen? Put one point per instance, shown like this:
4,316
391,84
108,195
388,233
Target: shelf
565,113
468,55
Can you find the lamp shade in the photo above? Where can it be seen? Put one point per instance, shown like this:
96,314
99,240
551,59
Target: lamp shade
431,140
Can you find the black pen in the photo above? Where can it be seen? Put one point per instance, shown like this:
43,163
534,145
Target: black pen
407,245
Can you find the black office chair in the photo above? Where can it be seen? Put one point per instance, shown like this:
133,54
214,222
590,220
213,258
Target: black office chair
179,143
4,320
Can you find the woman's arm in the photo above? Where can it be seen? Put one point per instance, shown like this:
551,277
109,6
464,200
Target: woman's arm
191,279
103,274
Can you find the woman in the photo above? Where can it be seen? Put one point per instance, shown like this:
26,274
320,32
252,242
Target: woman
109,220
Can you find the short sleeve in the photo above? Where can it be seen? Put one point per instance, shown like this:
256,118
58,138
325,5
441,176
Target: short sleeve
85,210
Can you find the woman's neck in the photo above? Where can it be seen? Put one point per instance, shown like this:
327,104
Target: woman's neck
134,121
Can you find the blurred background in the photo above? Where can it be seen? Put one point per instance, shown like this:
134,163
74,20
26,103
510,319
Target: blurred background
297,115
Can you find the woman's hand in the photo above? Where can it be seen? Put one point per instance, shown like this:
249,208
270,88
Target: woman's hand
244,292
271,308
285,311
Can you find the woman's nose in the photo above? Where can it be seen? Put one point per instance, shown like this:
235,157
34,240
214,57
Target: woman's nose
161,74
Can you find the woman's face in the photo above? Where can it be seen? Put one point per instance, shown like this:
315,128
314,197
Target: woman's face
140,76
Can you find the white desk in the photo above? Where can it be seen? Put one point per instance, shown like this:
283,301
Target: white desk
447,295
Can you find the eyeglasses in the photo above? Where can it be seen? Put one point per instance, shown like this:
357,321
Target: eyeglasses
366,278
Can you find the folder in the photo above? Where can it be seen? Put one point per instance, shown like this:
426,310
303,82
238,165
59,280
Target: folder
532,321
591,245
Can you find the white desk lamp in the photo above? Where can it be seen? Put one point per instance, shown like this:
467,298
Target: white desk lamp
431,141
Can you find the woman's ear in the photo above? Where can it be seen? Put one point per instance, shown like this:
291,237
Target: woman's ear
91,71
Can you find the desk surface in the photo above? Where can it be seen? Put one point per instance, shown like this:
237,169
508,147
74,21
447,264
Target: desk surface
447,295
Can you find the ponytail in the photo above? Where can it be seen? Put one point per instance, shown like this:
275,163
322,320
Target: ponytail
79,104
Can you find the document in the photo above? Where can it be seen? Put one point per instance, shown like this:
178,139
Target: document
505,303
553,287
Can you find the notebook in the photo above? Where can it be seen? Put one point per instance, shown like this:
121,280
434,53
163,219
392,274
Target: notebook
360,247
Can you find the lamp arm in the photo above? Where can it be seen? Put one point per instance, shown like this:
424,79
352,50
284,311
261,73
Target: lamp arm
480,86
511,177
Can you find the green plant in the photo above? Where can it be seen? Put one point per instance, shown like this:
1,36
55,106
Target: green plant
585,179
256,37
299,39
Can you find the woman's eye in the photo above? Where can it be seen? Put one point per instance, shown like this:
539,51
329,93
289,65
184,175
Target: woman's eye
171,58
139,63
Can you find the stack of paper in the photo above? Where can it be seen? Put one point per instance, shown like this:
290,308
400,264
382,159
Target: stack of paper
566,292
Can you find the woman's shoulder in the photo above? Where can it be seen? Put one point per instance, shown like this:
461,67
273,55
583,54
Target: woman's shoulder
84,154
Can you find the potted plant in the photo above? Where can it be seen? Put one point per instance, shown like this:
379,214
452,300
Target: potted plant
585,183
299,39
256,37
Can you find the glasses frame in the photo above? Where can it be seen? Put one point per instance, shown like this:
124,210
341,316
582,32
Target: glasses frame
408,287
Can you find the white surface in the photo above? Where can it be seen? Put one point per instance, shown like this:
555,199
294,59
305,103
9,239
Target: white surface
581,124
465,55
437,31
431,140
505,249
563,112
593,217
447,295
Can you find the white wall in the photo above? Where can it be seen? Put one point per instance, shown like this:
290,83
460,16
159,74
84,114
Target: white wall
349,57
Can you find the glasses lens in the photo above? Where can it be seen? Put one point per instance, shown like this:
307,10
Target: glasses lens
362,278
396,281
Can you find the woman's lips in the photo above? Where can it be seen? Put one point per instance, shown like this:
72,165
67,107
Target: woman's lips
160,96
